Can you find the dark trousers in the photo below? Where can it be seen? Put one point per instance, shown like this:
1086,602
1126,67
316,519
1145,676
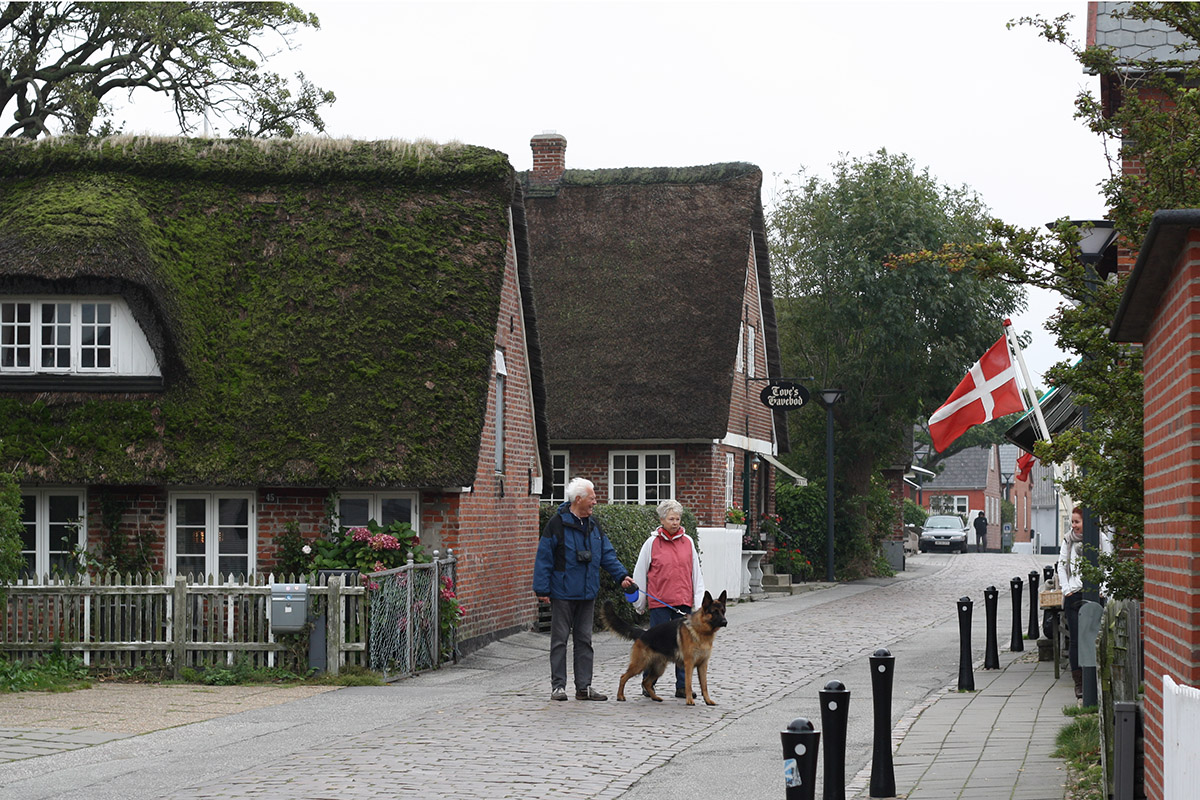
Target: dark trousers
571,618
660,615
1071,605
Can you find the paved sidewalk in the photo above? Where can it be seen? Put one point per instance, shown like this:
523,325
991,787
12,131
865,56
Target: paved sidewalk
988,744
43,723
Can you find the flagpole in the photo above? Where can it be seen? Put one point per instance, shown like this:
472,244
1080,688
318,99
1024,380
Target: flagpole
1032,397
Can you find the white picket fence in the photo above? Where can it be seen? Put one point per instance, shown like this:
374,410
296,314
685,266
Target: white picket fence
131,621
1181,740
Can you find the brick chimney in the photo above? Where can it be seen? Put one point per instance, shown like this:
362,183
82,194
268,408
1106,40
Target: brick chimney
549,157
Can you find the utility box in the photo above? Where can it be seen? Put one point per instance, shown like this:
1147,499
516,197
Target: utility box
289,607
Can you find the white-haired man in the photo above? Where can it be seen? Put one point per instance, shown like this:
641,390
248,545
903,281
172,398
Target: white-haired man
566,574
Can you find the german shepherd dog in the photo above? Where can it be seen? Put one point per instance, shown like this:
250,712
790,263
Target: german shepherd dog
686,641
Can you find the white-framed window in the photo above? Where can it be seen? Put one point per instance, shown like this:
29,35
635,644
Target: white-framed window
641,477
211,533
741,347
501,384
560,468
949,504
54,524
750,351
72,336
356,509
728,479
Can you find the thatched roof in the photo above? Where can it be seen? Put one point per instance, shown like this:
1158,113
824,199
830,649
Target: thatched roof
639,275
323,311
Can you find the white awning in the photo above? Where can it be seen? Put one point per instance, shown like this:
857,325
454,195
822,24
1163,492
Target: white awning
800,479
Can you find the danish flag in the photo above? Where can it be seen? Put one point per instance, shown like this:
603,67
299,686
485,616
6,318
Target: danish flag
988,392
1024,466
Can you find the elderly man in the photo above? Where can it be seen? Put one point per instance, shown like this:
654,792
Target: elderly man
566,575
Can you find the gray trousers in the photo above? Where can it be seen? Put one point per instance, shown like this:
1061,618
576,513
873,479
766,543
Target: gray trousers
567,617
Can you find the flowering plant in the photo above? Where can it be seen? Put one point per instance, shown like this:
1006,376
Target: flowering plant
791,561
368,549
735,515
450,612
770,523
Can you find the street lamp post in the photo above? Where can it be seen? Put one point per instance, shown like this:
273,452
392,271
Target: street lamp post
829,397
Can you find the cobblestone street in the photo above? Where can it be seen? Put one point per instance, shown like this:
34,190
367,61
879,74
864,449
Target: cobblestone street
487,727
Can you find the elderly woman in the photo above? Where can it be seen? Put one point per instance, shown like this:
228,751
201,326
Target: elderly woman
668,566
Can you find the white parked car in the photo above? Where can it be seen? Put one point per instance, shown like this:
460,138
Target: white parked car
944,532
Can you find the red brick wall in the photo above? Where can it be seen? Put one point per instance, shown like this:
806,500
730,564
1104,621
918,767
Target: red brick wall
145,517
699,474
1171,613
495,531
1021,496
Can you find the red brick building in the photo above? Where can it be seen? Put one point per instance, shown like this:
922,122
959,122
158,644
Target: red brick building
969,482
657,322
248,336
1161,310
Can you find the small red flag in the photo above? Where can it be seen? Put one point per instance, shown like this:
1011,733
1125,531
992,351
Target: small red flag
988,392
1024,465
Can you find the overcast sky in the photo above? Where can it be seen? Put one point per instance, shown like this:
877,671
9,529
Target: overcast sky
783,85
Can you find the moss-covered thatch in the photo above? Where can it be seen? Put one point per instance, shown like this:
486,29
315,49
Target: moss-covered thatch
639,276
324,312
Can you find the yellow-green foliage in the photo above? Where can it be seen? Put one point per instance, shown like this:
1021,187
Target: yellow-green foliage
323,311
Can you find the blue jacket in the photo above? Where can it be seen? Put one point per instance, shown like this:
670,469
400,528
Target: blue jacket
558,573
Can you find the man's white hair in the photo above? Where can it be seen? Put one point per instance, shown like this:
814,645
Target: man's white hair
669,506
578,488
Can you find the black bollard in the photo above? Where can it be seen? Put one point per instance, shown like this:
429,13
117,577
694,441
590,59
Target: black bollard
800,745
1018,646
835,715
966,675
1047,574
883,776
1034,633
991,601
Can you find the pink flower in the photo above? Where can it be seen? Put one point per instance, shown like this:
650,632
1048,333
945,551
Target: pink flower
360,534
384,541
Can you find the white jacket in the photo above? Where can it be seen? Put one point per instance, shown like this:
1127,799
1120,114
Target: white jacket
1070,554
643,566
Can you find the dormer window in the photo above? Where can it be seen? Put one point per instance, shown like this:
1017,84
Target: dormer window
72,338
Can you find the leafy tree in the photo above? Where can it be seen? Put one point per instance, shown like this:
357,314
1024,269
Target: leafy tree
913,513
11,561
60,61
1151,120
896,340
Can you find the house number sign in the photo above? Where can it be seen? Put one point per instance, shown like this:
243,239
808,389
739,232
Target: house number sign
783,394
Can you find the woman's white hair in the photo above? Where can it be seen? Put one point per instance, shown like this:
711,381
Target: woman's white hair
577,488
668,506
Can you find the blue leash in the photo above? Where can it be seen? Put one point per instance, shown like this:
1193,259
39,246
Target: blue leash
636,588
